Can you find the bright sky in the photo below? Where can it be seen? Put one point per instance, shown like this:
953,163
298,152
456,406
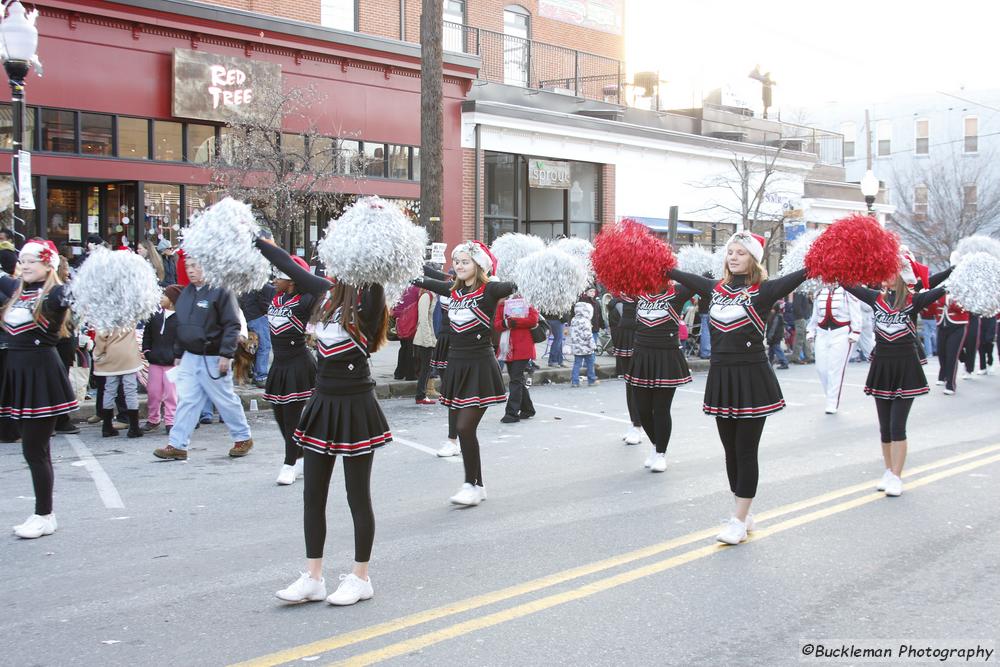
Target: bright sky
847,51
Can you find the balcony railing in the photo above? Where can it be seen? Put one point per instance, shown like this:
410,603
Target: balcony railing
523,62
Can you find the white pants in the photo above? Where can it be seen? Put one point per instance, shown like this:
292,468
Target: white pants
833,349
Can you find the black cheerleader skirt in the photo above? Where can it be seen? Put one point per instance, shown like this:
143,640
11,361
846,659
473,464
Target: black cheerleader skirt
439,358
343,424
473,379
742,390
895,372
658,368
35,385
291,378
623,342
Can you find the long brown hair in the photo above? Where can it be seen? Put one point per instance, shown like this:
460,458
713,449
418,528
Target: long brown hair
153,257
902,295
50,282
346,298
481,279
756,274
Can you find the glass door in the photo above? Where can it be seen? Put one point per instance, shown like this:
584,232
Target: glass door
119,213
65,207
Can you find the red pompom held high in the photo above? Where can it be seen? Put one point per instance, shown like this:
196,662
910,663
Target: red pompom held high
855,250
628,259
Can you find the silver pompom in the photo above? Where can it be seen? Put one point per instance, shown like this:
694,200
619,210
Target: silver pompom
695,259
975,283
976,243
579,248
719,259
795,259
510,249
373,243
115,290
220,241
551,280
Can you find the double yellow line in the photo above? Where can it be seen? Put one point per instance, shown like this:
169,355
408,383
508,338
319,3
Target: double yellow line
954,465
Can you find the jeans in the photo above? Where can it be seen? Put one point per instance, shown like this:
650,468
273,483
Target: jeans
928,331
130,384
776,351
802,350
556,351
705,340
262,361
197,380
578,361
207,410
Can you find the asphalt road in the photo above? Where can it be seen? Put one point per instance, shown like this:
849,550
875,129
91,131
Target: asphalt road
580,555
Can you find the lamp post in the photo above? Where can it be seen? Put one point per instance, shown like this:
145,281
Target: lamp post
869,188
18,43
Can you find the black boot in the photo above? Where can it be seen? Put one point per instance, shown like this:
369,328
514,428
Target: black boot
133,425
108,431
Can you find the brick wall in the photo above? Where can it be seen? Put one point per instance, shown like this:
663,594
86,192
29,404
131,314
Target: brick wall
469,170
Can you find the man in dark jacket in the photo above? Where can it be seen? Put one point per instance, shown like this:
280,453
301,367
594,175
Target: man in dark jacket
803,306
254,306
208,330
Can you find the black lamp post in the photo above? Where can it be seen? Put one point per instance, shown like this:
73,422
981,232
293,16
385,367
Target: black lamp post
869,188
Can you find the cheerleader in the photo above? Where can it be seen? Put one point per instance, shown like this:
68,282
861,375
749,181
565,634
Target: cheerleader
658,367
35,388
895,377
953,323
741,389
292,376
340,418
835,326
623,340
439,361
473,381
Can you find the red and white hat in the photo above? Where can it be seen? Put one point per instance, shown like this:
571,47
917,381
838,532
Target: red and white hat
43,250
754,243
479,253
278,275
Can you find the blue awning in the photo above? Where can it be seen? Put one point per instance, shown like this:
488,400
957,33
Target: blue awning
662,225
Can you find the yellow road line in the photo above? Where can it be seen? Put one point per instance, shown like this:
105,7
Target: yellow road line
535,606
472,603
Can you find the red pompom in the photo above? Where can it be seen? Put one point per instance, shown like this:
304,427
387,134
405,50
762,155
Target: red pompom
854,250
628,259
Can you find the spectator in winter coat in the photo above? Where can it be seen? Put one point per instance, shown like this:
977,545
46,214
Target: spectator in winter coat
517,350
581,340
424,342
117,360
406,327
597,319
802,351
158,338
775,334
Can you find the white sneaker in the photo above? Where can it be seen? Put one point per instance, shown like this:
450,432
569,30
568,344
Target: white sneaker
830,410
468,495
659,463
885,479
300,468
733,532
351,589
449,448
893,486
36,526
482,492
968,376
981,371
286,476
940,383
650,458
303,589
750,523
633,436
948,392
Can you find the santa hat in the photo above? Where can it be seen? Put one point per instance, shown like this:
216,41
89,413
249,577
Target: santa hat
278,275
479,253
754,243
43,250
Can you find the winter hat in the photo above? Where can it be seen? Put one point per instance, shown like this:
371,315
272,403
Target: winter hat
173,292
41,249
479,253
95,239
278,275
754,243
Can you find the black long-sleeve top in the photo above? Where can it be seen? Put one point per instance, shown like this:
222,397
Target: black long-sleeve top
158,337
895,328
288,314
23,331
658,318
471,311
738,312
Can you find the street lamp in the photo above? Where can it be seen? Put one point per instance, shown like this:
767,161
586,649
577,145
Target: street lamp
18,43
869,188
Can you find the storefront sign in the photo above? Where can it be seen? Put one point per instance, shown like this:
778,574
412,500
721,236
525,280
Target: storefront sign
220,88
548,174
604,15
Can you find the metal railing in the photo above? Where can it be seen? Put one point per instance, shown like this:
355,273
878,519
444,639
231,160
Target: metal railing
523,62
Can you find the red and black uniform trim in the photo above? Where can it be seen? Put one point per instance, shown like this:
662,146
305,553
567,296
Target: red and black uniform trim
293,373
658,361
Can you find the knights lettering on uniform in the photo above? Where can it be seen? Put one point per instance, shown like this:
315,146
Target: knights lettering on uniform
732,309
464,311
652,310
20,317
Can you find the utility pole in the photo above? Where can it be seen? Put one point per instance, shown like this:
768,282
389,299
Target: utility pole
431,117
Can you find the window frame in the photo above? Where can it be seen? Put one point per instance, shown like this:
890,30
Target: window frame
880,137
921,208
850,138
966,136
926,138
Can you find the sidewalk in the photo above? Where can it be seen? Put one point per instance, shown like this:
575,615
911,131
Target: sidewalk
383,363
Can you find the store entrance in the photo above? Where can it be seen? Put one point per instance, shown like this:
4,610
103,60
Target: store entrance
74,210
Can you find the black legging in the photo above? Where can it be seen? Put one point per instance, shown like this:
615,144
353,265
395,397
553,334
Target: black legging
519,398
970,349
950,340
35,435
466,422
633,412
892,415
653,406
453,424
422,364
741,438
316,486
287,416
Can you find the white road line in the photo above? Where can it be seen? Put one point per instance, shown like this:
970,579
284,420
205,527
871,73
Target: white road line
581,412
105,487
424,448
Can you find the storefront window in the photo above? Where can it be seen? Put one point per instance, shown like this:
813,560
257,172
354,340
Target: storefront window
96,134
321,155
163,211
197,198
500,182
133,138
58,131
416,162
496,228
7,127
200,143
167,141
399,162
119,207
349,161
584,187
374,157
546,204
65,206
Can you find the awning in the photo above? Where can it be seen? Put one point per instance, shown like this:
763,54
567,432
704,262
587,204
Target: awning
662,225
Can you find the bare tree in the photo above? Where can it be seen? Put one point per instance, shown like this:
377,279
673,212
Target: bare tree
940,202
431,117
285,175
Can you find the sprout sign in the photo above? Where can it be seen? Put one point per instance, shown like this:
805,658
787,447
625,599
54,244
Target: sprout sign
213,87
548,174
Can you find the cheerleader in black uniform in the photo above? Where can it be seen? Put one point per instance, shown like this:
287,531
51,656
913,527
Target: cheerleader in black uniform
741,389
341,418
292,376
895,377
658,366
623,350
473,381
35,388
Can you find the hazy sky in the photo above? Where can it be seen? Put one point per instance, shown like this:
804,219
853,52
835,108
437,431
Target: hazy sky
848,51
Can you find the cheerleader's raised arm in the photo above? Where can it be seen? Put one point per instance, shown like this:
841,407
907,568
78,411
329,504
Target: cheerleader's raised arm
775,289
304,280
700,285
